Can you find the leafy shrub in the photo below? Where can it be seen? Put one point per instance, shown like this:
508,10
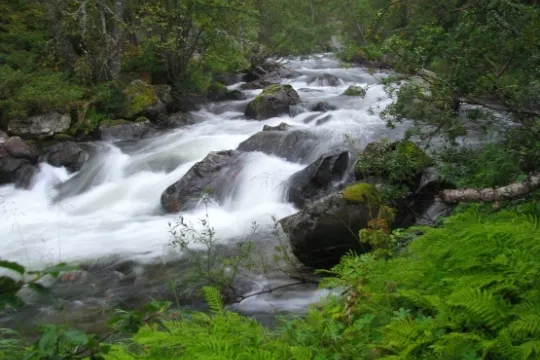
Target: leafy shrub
493,165
24,94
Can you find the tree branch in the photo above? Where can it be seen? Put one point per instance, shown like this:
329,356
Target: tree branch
508,192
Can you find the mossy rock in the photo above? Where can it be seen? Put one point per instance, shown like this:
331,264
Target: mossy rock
139,96
355,91
141,119
362,193
419,160
275,100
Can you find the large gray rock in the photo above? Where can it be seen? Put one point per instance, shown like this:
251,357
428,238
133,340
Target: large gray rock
19,149
210,178
173,121
126,130
275,100
329,173
294,146
325,230
323,106
18,171
281,127
65,154
40,125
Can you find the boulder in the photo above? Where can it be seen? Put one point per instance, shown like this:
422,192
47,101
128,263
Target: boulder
275,100
173,121
40,126
210,178
326,80
65,154
281,127
323,120
294,146
126,130
329,173
18,171
355,91
323,106
3,137
326,229
260,84
143,99
19,149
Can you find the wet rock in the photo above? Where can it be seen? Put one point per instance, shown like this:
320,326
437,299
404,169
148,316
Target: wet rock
425,196
144,99
326,80
65,154
40,126
294,146
355,91
324,120
308,90
3,137
280,127
329,173
208,178
275,100
325,230
20,149
17,171
173,121
323,106
126,130
219,92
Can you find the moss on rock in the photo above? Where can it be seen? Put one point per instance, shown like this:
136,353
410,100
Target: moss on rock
355,91
362,193
140,96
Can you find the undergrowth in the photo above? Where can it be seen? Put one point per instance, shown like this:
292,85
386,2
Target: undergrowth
466,290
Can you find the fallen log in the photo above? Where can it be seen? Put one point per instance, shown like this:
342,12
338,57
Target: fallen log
508,192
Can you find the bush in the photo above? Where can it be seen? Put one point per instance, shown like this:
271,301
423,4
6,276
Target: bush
26,94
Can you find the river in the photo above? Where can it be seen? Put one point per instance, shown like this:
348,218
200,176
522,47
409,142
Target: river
112,206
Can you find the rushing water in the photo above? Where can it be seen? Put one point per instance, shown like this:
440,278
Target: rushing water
113,205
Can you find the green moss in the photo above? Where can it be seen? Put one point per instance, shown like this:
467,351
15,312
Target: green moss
362,193
355,91
140,95
116,122
62,137
418,160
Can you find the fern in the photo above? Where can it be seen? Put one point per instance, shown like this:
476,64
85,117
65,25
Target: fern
214,299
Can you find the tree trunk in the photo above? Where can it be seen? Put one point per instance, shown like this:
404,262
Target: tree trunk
508,192
116,41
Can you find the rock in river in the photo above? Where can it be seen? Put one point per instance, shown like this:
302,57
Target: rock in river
211,177
275,100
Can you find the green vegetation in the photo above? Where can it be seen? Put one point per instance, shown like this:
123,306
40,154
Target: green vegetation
361,193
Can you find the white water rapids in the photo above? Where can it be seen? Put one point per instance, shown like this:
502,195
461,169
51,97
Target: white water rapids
113,205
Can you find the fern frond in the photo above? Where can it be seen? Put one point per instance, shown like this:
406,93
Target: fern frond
214,299
482,305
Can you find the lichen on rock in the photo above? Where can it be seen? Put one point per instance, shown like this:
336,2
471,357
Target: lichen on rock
361,193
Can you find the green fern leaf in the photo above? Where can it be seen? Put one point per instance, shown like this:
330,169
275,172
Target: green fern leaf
214,299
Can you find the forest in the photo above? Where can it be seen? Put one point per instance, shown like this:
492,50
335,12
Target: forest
467,287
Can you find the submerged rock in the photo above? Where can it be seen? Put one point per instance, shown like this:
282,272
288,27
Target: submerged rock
40,126
219,92
281,127
173,121
329,173
208,178
65,154
323,106
275,100
326,80
294,146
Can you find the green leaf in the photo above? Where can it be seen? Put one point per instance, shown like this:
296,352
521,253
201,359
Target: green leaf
47,341
75,337
12,266
38,288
